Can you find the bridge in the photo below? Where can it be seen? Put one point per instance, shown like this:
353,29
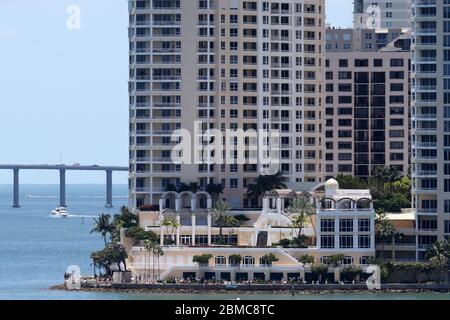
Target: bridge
16,168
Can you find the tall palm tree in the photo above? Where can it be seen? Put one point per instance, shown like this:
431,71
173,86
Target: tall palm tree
158,252
222,218
439,255
303,208
298,221
385,229
215,189
149,247
387,176
172,225
103,225
266,183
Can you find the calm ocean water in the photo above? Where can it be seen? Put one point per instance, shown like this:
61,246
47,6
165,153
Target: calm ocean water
36,248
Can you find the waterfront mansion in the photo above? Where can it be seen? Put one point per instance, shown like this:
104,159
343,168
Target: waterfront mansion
344,223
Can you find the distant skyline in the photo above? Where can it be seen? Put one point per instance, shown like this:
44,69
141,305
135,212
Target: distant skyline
65,91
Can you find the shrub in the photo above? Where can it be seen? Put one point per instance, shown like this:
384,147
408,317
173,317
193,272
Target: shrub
139,234
235,260
285,243
351,272
202,260
319,269
306,259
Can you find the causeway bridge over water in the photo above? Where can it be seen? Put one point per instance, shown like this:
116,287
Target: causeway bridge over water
16,168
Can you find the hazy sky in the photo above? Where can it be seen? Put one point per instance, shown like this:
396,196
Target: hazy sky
65,90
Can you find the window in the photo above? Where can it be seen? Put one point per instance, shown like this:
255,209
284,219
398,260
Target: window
347,261
361,62
248,261
396,62
364,260
346,225
363,242
346,241
377,62
364,225
343,63
221,261
327,225
233,183
327,242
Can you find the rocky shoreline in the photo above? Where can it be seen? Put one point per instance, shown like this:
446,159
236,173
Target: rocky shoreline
391,289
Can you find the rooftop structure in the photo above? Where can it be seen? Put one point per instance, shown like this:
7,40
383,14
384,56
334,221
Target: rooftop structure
344,223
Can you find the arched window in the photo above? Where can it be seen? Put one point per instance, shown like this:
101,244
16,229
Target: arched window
263,262
221,261
347,261
248,261
364,260
325,260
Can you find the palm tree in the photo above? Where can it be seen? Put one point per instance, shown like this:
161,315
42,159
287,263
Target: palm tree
386,176
439,255
266,183
215,190
158,252
103,226
172,225
149,247
222,218
303,208
385,229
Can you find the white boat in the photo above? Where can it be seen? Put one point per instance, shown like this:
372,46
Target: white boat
60,212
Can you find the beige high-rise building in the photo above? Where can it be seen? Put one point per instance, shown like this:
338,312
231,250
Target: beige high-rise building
229,64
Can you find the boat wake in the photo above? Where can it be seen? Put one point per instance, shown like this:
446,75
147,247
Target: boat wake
72,216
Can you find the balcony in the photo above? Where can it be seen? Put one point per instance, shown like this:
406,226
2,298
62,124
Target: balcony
425,173
424,145
426,31
424,3
423,88
427,211
424,117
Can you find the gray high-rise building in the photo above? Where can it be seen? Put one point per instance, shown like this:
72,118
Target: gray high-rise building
391,13
431,121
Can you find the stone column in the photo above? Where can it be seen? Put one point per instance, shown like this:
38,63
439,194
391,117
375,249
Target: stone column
302,274
279,206
337,274
178,230
194,222
177,204
161,205
336,233
209,228
265,205
161,237
193,204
